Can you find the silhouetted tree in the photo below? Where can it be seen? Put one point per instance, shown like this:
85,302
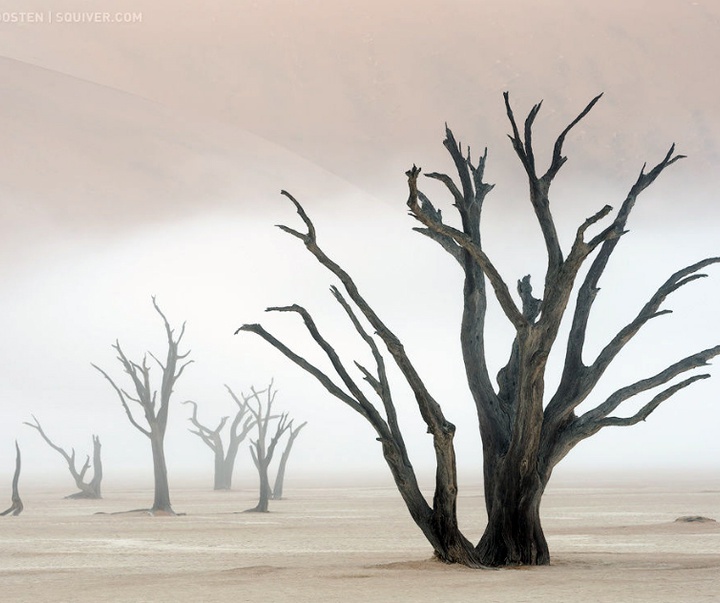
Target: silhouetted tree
239,428
525,431
277,491
262,452
17,505
89,489
154,410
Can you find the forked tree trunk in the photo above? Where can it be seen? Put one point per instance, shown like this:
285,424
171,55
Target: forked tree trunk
239,428
437,522
87,490
524,432
93,488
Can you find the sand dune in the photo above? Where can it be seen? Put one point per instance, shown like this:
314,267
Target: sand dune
364,89
90,161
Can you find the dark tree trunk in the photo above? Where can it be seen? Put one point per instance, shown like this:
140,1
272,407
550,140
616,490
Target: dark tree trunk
17,505
277,491
437,522
161,502
224,469
223,472
265,492
514,534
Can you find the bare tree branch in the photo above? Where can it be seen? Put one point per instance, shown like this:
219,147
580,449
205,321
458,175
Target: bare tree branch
575,384
478,255
625,393
380,383
121,394
566,400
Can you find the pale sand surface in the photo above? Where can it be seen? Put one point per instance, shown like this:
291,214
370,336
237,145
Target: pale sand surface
610,543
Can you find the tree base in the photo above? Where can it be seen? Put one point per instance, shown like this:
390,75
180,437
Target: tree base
83,496
145,512
14,510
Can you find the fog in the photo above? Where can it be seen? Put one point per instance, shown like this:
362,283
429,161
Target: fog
147,158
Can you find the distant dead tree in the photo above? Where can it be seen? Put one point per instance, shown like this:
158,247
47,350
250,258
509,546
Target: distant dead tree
90,489
277,490
154,410
525,430
17,505
262,452
241,425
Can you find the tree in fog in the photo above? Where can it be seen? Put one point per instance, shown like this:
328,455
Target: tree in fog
154,410
87,489
17,505
242,423
525,430
293,433
261,450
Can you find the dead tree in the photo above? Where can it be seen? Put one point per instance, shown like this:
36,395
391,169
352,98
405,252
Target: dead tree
277,490
155,412
90,489
525,430
224,460
262,452
17,505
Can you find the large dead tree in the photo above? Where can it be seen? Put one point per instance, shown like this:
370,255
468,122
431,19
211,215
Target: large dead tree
241,425
525,430
294,432
262,452
17,505
154,410
87,489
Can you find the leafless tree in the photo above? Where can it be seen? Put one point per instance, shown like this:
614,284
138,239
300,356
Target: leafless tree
525,430
89,489
262,452
155,412
277,491
240,427
17,505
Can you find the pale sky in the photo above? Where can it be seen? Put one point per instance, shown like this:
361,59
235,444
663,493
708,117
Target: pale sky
147,157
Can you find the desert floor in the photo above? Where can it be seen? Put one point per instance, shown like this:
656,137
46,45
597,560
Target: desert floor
611,542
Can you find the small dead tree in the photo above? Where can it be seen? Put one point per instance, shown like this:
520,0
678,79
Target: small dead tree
17,505
239,428
154,410
525,431
262,452
277,490
90,489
